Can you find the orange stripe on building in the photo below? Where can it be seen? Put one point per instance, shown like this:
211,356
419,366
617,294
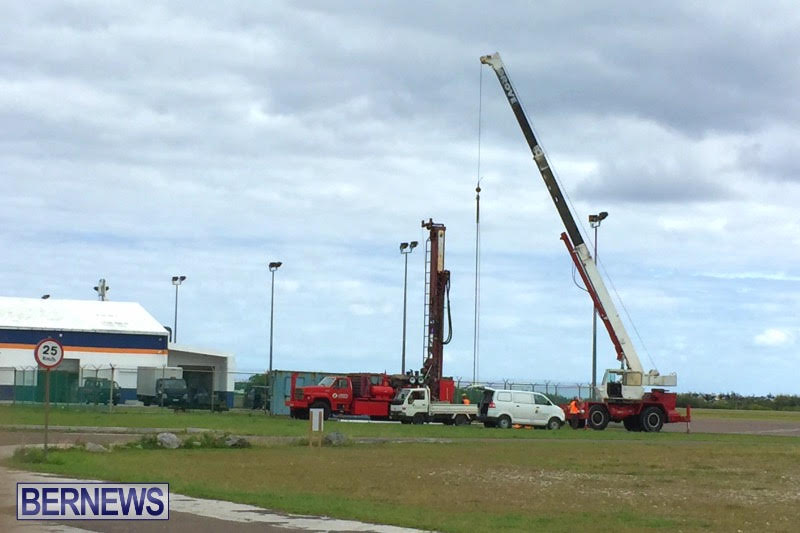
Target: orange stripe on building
89,349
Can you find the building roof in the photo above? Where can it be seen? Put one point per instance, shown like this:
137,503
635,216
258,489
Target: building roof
77,315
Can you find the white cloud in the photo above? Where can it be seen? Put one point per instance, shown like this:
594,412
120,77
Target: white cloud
774,337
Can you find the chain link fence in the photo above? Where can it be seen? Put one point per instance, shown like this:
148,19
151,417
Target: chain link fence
203,388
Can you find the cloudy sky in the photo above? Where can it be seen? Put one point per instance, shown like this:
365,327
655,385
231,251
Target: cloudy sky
143,140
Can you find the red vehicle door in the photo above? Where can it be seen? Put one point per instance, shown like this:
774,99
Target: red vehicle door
341,395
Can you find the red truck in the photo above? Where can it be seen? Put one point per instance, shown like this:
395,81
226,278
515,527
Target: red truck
351,394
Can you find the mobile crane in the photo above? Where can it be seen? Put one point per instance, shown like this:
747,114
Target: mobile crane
622,392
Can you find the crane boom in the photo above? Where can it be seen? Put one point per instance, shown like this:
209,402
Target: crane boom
634,377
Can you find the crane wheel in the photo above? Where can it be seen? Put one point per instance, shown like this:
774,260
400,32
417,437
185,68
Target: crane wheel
652,419
598,417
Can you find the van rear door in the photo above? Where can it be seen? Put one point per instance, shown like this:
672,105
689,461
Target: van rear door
486,399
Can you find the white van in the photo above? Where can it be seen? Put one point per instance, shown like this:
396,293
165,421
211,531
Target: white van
504,408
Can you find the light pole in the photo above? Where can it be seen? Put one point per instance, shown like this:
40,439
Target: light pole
594,221
176,280
405,249
273,266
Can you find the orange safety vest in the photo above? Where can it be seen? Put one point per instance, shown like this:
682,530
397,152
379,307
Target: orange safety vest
573,408
465,401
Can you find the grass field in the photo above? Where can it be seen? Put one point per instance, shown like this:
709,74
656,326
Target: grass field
666,482
256,423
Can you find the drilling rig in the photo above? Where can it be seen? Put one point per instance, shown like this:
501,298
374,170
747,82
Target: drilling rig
437,300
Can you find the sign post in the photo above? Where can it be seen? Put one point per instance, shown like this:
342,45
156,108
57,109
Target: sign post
48,354
316,422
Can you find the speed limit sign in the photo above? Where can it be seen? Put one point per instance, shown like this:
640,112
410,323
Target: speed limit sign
49,353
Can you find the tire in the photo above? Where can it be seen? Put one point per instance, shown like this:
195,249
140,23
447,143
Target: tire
652,419
418,419
554,423
598,417
461,420
632,423
326,410
504,422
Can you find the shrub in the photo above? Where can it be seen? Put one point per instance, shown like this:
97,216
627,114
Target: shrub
36,456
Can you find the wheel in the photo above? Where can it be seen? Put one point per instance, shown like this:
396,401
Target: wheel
577,423
326,410
418,419
461,420
554,423
504,422
652,419
489,424
598,417
632,423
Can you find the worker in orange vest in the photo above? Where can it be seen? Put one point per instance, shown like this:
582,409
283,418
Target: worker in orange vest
574,406
464,399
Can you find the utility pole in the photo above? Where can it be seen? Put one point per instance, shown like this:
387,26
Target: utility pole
405,249
176,280
273,266
594,222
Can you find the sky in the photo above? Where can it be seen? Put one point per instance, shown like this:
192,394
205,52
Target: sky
144,140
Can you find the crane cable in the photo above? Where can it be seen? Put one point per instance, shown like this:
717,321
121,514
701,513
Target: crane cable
476,318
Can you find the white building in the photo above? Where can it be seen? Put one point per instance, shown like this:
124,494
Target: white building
101,339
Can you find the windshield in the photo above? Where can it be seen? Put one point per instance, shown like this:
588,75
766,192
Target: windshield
401,395
327,382
173,384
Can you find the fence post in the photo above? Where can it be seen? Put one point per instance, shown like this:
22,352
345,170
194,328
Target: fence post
14,389
111,391
213,375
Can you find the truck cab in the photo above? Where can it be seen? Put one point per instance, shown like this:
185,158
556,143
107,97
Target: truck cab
172,392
